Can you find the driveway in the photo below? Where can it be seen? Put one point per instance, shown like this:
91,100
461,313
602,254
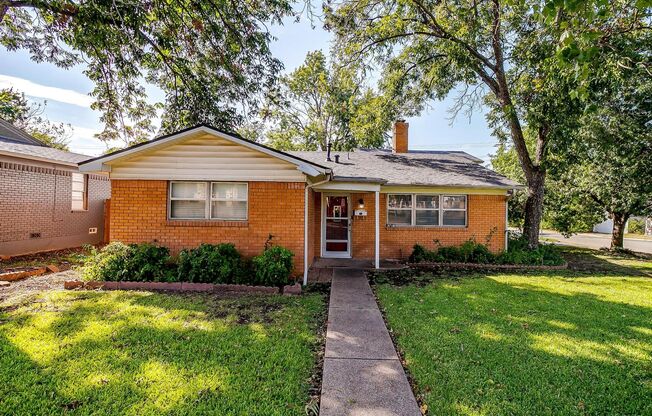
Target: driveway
597,241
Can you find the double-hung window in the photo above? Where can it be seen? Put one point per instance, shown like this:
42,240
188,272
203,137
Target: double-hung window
454,209
79,192
426,210
228,201
399,209
208,200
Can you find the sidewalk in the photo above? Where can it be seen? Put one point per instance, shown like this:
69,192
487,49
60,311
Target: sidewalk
362,372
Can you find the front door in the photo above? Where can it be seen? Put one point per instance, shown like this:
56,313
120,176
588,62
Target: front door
337,226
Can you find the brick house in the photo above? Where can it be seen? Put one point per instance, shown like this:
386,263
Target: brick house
203,185
45,202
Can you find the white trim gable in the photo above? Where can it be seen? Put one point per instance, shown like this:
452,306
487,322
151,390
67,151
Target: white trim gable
265,158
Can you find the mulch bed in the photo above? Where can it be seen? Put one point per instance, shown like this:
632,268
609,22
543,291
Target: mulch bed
479,266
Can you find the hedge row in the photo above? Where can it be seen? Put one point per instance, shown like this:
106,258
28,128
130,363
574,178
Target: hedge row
208,263
470,251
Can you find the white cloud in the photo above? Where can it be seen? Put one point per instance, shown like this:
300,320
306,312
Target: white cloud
49,93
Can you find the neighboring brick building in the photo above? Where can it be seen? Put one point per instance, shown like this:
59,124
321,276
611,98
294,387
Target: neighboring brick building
37,211
203,185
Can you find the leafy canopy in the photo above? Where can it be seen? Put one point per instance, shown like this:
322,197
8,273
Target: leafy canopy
210,58
17,110
320,103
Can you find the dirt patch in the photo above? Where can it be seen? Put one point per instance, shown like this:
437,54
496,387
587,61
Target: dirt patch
64,259
312,407
17,291
257,310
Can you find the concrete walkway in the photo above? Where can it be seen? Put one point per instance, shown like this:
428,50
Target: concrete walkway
362,372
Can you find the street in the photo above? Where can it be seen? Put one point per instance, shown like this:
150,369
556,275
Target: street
597,241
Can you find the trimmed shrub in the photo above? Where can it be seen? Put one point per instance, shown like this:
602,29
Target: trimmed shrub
274,266
135,262
210,263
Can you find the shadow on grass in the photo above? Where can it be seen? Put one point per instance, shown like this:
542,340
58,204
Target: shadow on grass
140,353
518,345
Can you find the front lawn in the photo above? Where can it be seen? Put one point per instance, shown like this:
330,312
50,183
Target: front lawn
115,353
572,342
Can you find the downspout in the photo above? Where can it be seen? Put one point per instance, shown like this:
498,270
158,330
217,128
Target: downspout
305,228
377,231
507,220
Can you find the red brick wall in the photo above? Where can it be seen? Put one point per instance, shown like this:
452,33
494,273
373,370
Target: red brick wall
37,199
139,214
485,213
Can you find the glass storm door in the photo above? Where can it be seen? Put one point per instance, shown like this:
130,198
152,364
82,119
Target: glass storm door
337,221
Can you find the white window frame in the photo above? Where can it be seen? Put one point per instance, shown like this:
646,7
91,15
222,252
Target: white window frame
205,199
84,192
208,187
211,199
416,208
441,210
411,209
465,209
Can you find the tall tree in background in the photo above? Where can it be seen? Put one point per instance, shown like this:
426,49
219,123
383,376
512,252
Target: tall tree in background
27,116
318,104
605,167
506,53
211,58
609,163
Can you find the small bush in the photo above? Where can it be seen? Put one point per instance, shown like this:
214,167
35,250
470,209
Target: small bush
274,266
473,252
135,262
210,263
635,226
519,253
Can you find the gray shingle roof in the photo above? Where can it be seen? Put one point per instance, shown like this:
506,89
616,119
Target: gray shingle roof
12,134
41,152
431,168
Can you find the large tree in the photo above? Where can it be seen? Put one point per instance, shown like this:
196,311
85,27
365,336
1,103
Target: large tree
318,104
28,116
605,167
211,58
609,163
505,52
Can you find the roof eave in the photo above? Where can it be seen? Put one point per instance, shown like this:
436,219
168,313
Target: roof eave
435,185
37,158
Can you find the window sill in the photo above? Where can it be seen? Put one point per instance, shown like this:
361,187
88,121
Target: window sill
424,227
79,210
207,223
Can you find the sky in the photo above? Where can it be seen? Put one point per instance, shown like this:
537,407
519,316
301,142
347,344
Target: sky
66,93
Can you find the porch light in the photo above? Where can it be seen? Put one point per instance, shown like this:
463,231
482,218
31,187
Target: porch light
361,203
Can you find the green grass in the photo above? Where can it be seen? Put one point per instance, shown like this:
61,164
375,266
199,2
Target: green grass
577,342
139,353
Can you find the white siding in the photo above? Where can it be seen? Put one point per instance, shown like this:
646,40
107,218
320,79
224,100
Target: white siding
206,158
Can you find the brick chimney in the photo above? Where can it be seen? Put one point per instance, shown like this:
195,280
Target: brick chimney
400,138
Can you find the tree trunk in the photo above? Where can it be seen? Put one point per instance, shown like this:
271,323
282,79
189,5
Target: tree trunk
4,7
618,231
534,208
